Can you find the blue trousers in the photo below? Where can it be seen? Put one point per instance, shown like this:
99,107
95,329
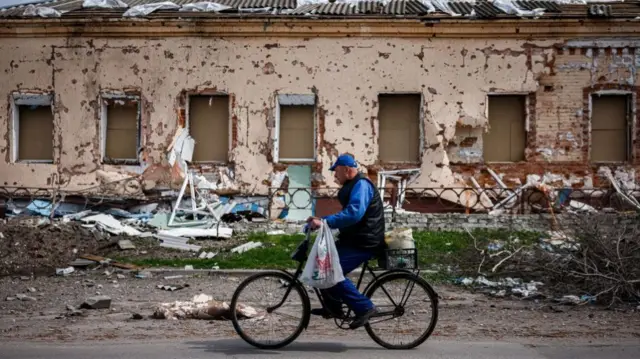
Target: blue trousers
346,291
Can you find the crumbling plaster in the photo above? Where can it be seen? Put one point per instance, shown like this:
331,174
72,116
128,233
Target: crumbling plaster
346,74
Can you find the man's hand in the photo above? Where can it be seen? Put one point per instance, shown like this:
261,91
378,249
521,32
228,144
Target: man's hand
314,222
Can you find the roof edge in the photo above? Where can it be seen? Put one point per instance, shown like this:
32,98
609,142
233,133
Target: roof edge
306,27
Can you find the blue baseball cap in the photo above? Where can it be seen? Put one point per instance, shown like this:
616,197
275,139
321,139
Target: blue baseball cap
344,160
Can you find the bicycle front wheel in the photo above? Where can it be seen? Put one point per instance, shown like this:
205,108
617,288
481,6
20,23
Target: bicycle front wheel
408,311
282,310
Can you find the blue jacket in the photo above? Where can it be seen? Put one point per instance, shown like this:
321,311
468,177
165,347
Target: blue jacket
352,213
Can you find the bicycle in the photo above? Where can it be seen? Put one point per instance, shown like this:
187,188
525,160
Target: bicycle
400,269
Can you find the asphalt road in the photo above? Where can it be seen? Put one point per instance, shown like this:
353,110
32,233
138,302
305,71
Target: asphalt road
234,348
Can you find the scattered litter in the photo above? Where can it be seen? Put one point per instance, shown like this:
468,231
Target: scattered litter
97,302
32,289
65,271
108,261
207,255
205,6
245,247
169,241
504,286
188,267
276,232
144,274
10,299
121,276
137,316
172,288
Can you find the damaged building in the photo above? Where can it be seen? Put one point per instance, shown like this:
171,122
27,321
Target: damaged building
427,94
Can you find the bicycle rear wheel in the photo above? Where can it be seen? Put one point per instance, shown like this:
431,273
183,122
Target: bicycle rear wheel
408,311
287,321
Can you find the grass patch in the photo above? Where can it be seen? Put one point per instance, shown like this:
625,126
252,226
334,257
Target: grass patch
435,249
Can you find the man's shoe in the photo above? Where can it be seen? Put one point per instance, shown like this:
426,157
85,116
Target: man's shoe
326,313
362,319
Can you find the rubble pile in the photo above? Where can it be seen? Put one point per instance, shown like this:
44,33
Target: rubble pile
588,261
202,306
31,246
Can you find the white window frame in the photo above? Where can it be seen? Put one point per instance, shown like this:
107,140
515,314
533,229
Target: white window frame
631,125
27,99
527,117
187,122
110,97
295,100
421,119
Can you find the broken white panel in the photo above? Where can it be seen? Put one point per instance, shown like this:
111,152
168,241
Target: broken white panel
169,241
187,149
42,11
205,6
111,225
198,232
146,9
245,247
509,7
104,4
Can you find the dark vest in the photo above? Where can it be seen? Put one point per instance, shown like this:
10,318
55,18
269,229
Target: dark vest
368,233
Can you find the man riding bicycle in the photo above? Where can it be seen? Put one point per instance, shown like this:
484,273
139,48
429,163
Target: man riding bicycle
361,237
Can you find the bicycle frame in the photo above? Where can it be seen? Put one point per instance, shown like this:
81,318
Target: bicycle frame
300,255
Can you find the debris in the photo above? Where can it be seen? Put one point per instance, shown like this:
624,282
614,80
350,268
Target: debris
10,299
198,232
121,276
202,306
125,244
79,262
32,289
172,288
110,224
205,6
104,4
188,267
137,316
276,232
245,247
65,271
144,274
42,11
108,261
169,241
25,298
98,302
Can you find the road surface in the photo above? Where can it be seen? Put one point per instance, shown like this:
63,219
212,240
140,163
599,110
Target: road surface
237,349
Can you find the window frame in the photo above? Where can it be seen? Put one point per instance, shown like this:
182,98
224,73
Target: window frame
527,120
21,98
290,100
421,128
105,99
630,124
187,122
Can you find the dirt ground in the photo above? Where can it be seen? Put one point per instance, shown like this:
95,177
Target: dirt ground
463,315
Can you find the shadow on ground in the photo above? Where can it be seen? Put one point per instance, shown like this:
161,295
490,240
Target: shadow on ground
239,347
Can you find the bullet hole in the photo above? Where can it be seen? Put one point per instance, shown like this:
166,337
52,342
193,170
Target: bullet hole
432,91
168,54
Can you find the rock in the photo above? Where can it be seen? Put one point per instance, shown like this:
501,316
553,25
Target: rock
136,316
32,290
97,302
70,307
121,276
25,298
9,299
125,244
65,271
144,274
25,278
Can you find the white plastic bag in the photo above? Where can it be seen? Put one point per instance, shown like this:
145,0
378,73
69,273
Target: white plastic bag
323,269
